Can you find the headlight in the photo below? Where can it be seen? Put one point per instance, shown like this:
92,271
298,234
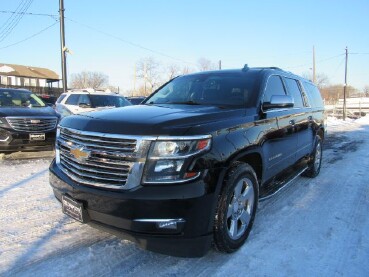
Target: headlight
168,160
181,148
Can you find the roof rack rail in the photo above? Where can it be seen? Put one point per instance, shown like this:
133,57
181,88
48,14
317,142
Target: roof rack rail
274,67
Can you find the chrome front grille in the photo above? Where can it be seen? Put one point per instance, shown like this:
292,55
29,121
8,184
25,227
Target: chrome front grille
32,124
100,159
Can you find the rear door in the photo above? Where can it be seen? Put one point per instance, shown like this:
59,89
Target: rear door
279,148
72,103
302,118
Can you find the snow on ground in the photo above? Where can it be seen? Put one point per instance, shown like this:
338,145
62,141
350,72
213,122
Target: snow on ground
314,227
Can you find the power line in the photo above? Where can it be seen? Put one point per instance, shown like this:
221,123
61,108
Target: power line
129,42
54,16
358,53
14,19
320,61
28,38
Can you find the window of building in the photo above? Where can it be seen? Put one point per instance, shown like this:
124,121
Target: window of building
4,80
42,83
33,82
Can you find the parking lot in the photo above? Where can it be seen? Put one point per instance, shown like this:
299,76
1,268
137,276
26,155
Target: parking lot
314,227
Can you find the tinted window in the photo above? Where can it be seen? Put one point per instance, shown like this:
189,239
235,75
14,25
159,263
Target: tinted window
294,90
61,97
20,98
84,99
220,89
136,100
108,101
314,95
273,87
72,99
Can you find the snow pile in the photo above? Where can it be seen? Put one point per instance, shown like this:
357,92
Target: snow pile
315,227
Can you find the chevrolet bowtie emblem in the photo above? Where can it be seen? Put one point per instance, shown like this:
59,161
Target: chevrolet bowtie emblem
80,153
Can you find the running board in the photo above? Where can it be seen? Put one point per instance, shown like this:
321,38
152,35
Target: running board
276,186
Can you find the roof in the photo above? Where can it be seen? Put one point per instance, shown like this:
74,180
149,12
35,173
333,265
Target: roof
27,71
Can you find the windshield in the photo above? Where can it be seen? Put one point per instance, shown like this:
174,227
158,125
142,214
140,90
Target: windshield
108,101
14,98
219,89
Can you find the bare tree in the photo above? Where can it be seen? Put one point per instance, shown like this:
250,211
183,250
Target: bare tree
366,91
205,64
87,79
321,80
148,69
186,70
173,71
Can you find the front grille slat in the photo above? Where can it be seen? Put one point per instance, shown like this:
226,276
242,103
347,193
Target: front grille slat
32,124
96,159
92,169
96,146
83,174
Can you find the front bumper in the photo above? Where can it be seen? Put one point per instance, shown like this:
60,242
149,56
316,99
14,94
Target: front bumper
11,141
140,214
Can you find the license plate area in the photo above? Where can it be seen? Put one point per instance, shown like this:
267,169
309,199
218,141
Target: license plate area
37,137
73,208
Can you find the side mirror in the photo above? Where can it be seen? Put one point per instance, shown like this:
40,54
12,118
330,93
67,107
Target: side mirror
279,102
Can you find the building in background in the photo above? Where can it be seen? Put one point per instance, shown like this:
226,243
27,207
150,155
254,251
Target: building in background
36,79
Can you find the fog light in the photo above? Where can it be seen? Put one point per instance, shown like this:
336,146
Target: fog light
4,135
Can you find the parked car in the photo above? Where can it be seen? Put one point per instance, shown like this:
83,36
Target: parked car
186,168
48,99
136,100
26,122
75,102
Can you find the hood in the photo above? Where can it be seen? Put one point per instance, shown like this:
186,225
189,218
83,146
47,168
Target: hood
25,111
153,120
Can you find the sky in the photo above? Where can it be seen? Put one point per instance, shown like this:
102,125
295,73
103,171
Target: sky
112,36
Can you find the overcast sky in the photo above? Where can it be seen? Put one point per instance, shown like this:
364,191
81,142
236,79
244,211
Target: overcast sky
111,36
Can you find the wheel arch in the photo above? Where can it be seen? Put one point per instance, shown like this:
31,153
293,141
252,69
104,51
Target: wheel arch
253,158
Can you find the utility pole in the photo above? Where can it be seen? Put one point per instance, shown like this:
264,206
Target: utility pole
345,86
134,82
62,46
314,73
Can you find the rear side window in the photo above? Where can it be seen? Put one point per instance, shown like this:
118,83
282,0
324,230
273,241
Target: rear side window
72,99
314,95
294,90
273,87
84,99
61,97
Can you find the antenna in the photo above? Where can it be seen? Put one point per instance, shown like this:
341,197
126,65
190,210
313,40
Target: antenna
245,67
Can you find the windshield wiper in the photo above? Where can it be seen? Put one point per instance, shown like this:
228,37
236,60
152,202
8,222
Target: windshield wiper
185,103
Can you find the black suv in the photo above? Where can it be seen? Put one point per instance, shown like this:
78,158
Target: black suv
26,122
188,166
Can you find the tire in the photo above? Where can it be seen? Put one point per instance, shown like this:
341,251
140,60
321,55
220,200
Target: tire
236,208
315,162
